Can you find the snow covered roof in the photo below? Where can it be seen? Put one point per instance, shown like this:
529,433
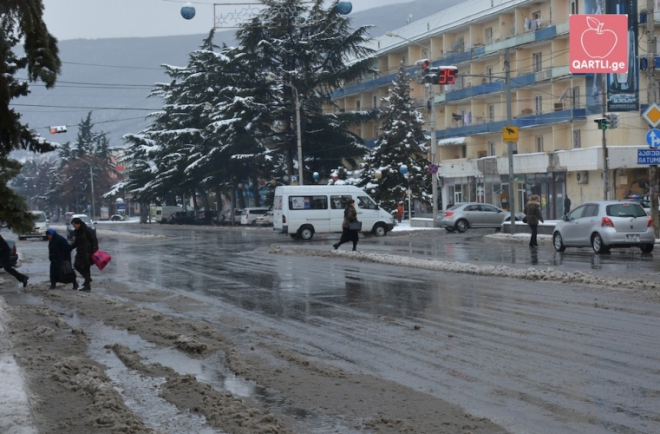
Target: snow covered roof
451,141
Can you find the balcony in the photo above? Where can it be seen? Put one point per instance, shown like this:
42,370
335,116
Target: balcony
551,118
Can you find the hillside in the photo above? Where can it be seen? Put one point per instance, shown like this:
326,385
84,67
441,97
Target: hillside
113,77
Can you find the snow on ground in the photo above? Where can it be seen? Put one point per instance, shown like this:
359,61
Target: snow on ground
15,414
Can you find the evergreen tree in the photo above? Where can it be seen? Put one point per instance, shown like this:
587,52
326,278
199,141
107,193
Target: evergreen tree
401,144
21,21
303,50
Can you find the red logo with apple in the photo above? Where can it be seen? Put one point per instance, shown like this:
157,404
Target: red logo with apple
598,43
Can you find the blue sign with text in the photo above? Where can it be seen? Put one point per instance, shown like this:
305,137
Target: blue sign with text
648,156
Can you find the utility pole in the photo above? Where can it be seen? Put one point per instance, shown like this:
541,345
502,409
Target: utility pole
652,97
509,146
606,176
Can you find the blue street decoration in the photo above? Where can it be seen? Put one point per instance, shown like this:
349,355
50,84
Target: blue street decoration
344,8
188,11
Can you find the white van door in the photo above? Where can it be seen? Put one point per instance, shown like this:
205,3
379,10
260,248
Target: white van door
309,210
367,212
338,203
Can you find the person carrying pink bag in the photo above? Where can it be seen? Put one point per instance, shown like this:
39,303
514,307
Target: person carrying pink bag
86,245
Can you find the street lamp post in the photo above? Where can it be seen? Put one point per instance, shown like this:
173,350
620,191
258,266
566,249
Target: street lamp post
434,143
298,133
91,177
404,171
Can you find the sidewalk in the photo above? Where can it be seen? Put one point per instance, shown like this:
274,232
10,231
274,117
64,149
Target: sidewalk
15,409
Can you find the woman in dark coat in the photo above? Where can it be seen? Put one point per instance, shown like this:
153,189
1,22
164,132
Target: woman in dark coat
350,215
58,252
533,214
85,244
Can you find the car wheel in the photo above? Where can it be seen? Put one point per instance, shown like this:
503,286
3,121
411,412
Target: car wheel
254,222
646,248
380,230
21,238
558,242
462,225
306,233
598,245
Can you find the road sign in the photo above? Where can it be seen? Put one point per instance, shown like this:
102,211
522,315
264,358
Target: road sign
598,43
510,134
652,115
433,168
653,138
294,179
648,156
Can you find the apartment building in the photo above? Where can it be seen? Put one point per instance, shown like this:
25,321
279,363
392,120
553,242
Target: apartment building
560,148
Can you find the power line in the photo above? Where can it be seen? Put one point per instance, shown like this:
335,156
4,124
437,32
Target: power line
87,108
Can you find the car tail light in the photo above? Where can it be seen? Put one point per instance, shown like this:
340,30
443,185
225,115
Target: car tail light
650,222
14,250
448,214
606,223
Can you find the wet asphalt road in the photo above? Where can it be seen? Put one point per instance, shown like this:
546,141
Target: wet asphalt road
523,354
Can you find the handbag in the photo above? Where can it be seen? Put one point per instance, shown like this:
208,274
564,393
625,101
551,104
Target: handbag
101,259
525,219
67,274
355,226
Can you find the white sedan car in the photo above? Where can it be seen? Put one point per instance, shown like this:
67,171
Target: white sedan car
265,220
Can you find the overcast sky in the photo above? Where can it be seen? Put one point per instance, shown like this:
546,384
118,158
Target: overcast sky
93,19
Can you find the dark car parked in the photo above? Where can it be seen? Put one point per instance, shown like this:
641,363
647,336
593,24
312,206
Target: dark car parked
182,218
207,218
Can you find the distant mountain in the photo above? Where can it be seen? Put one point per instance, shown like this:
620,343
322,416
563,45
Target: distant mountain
99,74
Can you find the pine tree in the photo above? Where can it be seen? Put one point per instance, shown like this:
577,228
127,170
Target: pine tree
304,50
21,21
401,144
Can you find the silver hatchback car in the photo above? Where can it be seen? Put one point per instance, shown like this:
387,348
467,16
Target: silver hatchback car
463,216
604,225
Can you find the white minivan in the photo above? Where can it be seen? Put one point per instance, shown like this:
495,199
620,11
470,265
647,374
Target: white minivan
301,211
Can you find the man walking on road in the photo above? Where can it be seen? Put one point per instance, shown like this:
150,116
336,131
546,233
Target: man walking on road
567,204
5,261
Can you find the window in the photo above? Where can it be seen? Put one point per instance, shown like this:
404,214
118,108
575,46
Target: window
574,7
365,202
489,35
536,15
339,202
590,211
489,73
539,143
491,149
538,104
576,139
307,202
576,213
491,112
472,208
489,208
463,151
537,58
376,130
575,97
375,101
357,105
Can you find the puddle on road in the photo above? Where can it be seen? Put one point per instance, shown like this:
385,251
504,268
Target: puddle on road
141,393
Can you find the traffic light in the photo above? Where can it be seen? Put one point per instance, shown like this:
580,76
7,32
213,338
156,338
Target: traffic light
422,69
441,75
603,123
612,120
56,130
